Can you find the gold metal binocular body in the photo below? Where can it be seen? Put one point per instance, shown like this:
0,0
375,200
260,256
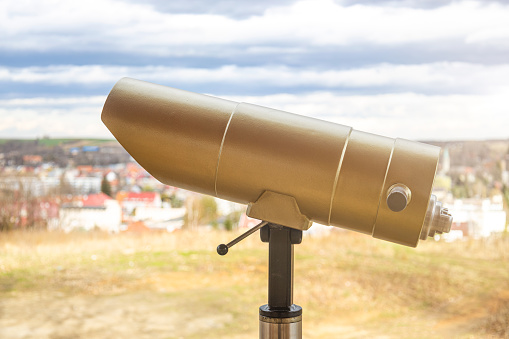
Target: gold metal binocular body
290,169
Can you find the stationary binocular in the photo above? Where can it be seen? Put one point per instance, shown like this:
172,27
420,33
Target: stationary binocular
289,169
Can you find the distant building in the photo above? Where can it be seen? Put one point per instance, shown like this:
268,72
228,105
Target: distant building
86,184
445,163
132,201
74,150
32,160
477,218
247,222
91,211
90,148
504,172
84,169
148,207
505,177
161,217
32,185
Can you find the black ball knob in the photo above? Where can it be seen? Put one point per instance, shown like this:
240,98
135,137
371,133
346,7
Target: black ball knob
222,249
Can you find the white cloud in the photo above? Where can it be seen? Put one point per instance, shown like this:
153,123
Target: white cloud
113,25
435,100
498,35
442,77
407,115
69,117
94,101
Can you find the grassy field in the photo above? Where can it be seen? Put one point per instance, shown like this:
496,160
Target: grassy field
95,285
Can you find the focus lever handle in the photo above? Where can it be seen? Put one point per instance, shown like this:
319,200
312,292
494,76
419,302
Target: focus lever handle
222,249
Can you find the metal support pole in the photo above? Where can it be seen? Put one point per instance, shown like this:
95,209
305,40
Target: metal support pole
280,318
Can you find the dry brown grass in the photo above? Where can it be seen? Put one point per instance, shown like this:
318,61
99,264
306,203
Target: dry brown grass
95,285
497,322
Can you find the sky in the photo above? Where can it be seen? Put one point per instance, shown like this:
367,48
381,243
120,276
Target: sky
420,70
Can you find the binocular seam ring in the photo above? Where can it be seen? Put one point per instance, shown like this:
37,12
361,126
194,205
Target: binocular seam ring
336,179
222,144
385,179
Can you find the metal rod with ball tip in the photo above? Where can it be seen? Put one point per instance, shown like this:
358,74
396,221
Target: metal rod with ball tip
280,318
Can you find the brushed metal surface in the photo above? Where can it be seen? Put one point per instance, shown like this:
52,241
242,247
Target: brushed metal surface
174,134
277,330
267,149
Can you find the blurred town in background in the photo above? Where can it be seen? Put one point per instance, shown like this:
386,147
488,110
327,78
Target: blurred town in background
88,184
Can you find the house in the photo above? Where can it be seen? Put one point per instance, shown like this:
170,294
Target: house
91,211
477,218
148,207
32,160
132,201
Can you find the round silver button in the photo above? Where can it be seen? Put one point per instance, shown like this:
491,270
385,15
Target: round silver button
398,197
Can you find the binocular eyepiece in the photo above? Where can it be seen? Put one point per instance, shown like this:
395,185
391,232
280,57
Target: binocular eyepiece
289,169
